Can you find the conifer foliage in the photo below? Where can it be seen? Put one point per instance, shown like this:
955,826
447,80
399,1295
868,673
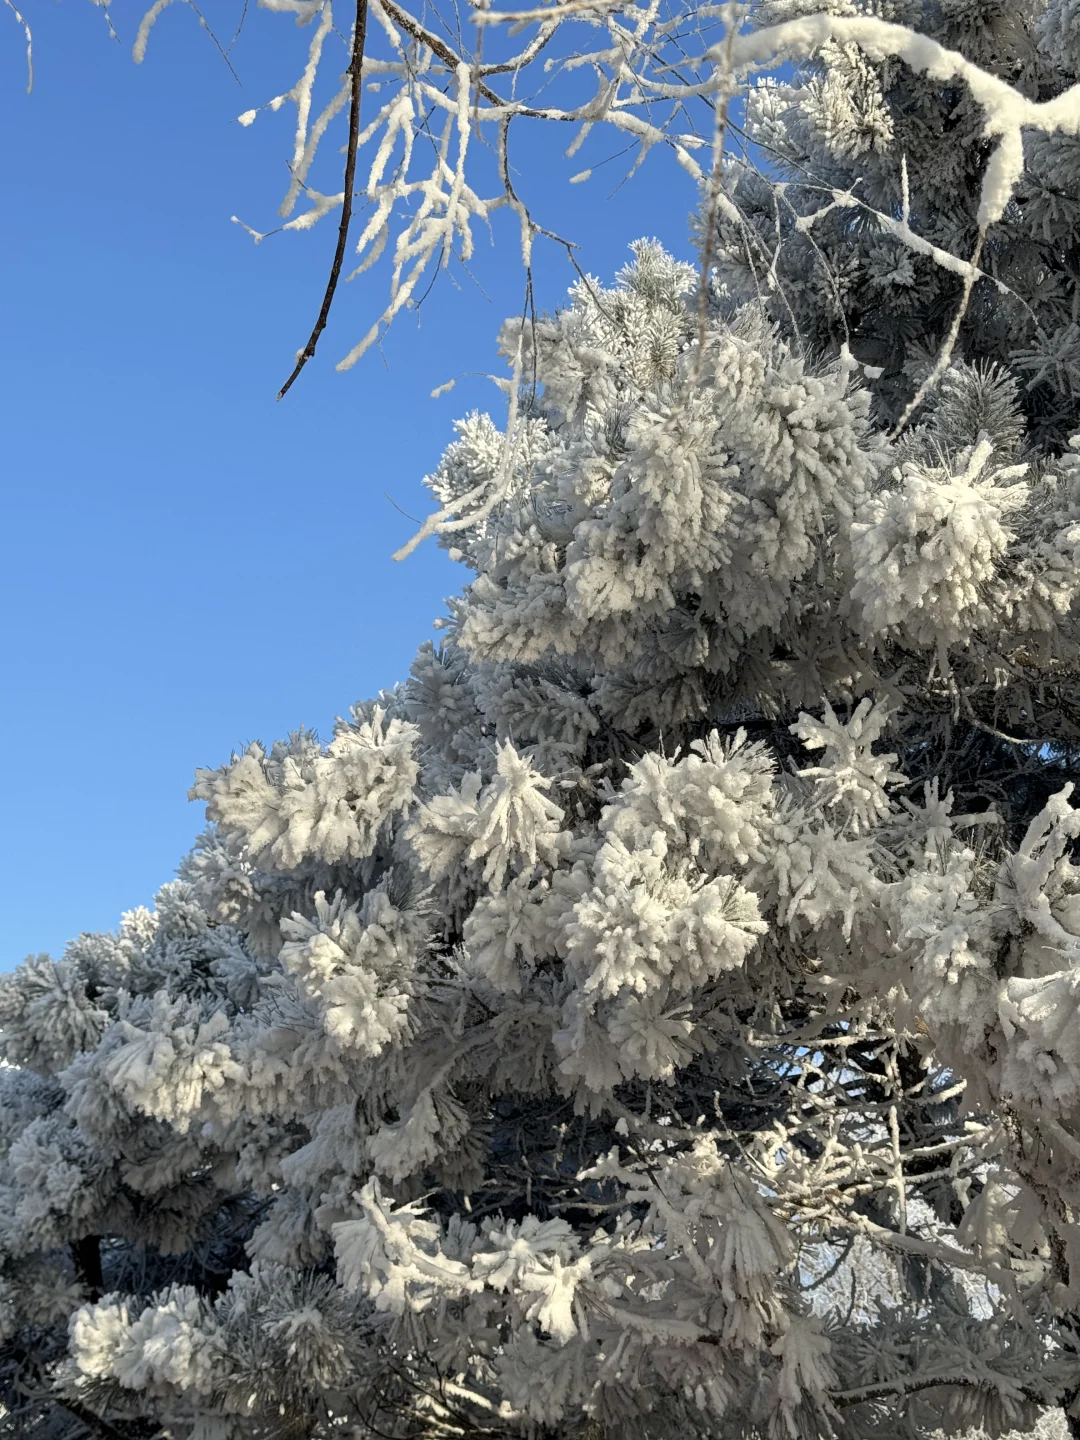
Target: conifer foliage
659,1016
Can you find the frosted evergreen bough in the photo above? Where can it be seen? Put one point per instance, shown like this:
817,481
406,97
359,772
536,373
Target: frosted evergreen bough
660,1015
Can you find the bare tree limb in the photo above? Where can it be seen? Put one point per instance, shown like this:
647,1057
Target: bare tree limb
356,70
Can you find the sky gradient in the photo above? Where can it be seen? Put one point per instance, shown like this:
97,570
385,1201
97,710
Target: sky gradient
186,564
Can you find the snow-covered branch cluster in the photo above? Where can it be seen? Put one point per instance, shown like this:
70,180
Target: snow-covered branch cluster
440,94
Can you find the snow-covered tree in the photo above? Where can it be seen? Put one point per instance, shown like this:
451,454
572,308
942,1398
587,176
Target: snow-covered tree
869,237
661,1014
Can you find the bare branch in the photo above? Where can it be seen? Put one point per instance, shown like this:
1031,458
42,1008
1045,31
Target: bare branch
356,71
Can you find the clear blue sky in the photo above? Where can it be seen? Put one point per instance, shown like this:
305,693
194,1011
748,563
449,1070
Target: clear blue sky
186,564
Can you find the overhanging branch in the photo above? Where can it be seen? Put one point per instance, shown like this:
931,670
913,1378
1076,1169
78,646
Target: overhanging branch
356,70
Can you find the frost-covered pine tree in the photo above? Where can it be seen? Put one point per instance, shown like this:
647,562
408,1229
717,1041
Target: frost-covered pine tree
865,239
659,1016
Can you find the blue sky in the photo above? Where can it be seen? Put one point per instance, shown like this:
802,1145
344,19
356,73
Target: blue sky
186,564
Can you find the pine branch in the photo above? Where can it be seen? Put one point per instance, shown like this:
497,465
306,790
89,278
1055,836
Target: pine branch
903,1385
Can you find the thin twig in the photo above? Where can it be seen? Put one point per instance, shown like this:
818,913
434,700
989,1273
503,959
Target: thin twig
989,729
715,185
443,52
398,508
29,44
356,69
239,27
941,364
423,36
